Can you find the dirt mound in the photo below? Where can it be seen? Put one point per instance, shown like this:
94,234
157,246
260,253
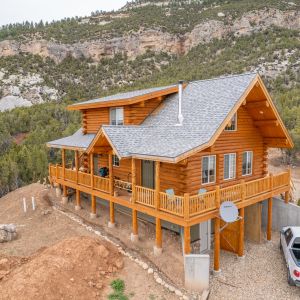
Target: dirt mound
76,268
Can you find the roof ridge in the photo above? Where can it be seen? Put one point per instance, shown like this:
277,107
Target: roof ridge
223,77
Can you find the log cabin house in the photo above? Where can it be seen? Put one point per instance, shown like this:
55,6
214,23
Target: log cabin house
175,153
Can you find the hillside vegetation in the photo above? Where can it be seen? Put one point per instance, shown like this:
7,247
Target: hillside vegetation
274,52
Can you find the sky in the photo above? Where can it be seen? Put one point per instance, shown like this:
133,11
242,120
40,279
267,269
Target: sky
17,11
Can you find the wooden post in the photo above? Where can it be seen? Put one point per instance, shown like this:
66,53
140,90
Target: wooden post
243,185
158,237
271,178
64,191
93,198
111,175
76,165
133,177
186,203
187,239
63,160
111,223
56,172
217,234
92,169
241,232
134,222
157,184
78,201
269,223
287,193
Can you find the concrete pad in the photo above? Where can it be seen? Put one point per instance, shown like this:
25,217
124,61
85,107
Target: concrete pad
77,207
217,273
157,251
111,225
93,216
134,237
64,200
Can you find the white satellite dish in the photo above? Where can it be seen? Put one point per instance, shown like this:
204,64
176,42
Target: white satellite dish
229,212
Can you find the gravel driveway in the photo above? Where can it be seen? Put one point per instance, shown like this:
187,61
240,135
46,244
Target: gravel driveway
261,274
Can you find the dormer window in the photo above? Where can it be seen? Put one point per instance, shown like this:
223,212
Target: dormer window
232,125
116,116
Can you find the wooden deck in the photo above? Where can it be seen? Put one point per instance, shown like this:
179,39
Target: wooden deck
185,210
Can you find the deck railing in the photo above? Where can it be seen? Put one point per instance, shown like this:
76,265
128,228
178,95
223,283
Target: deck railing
183,206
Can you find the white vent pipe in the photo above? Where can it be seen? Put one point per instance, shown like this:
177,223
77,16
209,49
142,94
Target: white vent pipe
180,116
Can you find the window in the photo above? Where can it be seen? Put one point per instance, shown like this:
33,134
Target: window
208,169
116,116
232,125
247,163
116,161
229,166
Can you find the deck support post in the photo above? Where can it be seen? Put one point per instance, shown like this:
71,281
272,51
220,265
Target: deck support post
111,175
134,235
92,170
78,200
269,222
187,239
111,223
93,213
133,182
64,198
158,238
76,164
287,193
241,232
63,163
157,185
217,235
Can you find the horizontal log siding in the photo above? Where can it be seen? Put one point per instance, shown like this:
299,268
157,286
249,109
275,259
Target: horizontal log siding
134,114
246,138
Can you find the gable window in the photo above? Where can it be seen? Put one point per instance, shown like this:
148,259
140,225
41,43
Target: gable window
229,166
208,169
247,163
232,125
116,161
116,116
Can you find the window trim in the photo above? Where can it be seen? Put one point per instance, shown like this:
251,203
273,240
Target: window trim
113,161
115,108
248,151
235,123
215,170
230,178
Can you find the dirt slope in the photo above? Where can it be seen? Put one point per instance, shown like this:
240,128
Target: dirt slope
76,268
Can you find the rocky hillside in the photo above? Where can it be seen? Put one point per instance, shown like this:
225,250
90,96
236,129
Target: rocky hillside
138,41
145,43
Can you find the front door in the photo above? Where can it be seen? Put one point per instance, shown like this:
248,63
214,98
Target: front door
148,174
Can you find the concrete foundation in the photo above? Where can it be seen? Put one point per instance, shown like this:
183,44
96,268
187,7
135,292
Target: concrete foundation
58,192
77,207
64,200
157,251
134,237
93,216
216,273
111,225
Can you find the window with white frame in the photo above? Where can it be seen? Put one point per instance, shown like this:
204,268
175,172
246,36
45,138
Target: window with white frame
116,116
232,125
247,163
116,161
208,169
229,166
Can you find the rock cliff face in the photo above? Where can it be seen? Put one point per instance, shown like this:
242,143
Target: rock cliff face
137,43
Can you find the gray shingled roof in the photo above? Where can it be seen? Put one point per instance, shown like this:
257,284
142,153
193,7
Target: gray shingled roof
77,140
125,96
205,105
